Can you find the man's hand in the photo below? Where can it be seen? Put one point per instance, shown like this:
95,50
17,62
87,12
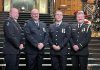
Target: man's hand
21,46
75,47
40,46
57,48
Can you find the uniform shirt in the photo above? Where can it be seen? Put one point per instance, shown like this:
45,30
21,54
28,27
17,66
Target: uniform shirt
59,35
13,36
35,34
81,37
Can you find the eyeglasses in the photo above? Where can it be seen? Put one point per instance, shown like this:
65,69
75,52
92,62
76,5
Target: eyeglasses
58,14
35,13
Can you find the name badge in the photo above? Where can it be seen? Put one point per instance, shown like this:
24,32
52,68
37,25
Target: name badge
83,29
73,29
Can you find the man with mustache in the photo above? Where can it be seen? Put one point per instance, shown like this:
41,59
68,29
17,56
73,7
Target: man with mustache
36,39
80,37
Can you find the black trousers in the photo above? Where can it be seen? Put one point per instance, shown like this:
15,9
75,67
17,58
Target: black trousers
58,62
34,61
12,61
79,62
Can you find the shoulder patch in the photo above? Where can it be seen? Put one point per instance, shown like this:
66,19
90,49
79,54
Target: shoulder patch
7,24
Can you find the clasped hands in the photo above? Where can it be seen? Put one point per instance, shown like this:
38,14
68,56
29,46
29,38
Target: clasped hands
40,46
21,46
56,47
75,47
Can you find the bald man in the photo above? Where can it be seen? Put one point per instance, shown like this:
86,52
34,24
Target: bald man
13,40
36,39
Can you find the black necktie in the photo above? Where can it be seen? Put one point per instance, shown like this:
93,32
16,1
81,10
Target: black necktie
57,25
37,24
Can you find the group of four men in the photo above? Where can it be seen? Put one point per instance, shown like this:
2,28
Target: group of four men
37,36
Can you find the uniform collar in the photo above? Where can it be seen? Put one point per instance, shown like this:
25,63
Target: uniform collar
58,23
13,19
80,24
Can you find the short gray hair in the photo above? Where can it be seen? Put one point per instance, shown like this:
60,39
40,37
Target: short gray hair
80,12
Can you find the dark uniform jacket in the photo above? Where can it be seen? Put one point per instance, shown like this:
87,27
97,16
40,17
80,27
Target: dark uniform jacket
59,36
13,36
35,34
81,37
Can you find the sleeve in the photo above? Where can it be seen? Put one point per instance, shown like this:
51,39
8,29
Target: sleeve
22,41
71,41
50,36
28,35
86,39
67,36
10,34
46,37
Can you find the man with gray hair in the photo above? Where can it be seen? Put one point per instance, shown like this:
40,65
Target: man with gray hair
80,37
36,39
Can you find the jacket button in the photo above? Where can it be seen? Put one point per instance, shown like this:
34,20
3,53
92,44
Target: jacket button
56,31
68,53
78,32
68,48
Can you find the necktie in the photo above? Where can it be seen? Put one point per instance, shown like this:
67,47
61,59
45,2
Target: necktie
57,25
37,24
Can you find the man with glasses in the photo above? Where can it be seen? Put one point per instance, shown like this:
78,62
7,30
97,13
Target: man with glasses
36,35
59,34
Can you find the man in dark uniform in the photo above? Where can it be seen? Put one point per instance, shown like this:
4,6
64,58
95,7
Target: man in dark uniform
36,39
13,40
80,37
59,34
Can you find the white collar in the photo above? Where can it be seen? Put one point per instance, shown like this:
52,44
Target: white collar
36,21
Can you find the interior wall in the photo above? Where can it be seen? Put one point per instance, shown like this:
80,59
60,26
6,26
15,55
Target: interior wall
1,5
68,6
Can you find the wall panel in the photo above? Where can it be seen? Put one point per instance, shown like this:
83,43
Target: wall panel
68,6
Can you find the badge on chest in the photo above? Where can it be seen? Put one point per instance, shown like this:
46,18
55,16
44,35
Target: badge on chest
83,29
63,30
44,30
